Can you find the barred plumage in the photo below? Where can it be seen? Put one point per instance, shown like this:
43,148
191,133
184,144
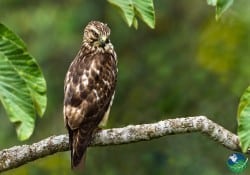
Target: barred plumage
89,88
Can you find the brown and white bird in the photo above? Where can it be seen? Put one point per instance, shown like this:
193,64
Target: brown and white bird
89,88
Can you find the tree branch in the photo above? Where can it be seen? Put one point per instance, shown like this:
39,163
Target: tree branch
19,155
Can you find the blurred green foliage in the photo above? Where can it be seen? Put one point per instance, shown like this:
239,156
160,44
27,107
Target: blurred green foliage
189,65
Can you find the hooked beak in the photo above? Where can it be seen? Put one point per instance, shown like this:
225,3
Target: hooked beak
103,41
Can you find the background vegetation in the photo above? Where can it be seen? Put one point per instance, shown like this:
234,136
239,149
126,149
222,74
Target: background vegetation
188,65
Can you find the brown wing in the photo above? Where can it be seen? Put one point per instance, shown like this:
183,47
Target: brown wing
89,86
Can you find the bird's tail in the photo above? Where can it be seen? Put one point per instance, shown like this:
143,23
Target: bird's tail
79,141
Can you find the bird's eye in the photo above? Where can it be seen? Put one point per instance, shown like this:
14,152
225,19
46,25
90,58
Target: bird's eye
95,34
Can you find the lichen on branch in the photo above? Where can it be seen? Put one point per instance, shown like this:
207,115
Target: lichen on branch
18,155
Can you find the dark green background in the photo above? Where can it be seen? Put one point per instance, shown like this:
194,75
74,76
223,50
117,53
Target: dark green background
189,65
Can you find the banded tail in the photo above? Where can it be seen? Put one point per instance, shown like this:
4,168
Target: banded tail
79,139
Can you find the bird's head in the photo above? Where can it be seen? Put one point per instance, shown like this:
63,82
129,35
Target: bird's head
96,34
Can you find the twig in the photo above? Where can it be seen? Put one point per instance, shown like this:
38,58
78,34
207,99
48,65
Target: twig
19,155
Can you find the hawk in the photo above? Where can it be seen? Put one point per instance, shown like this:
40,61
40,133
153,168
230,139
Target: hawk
89,88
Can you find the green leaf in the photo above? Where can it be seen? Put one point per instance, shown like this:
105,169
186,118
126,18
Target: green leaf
221,6
136,8
243,116
22,85
212,2
135,23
